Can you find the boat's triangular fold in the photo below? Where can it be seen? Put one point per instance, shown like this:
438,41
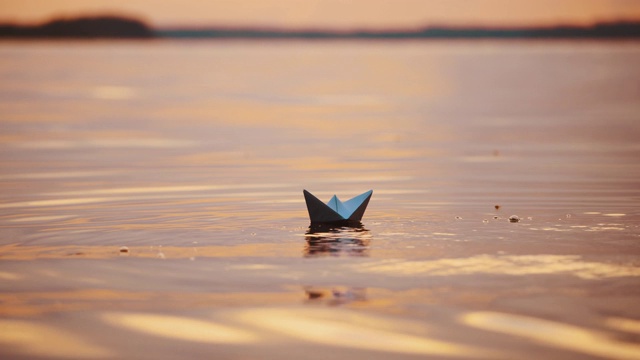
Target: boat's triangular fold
319,211
338,206
358,205
335,210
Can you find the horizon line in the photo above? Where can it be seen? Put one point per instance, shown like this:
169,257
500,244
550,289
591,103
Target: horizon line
319,28
117,26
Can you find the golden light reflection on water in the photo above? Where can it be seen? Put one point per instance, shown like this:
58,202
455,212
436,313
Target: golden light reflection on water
168,189
502,265
113,92
181,328
4,275
38,303
321,163
38,219
96,140
17,252
357,331
554,334
59,202
45,341
148,193
89,143
314,118
54,175
622,324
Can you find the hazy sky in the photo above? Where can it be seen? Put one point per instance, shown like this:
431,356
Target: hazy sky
332,13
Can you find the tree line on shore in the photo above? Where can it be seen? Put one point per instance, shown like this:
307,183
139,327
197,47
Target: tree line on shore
119,27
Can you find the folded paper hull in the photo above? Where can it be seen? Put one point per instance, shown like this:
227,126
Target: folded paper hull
336,211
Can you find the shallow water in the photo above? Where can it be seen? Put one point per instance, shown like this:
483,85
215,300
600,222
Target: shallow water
151,199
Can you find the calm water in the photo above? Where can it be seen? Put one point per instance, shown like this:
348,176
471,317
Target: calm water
151,199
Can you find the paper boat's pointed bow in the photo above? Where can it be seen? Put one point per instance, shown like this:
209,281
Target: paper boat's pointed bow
335,210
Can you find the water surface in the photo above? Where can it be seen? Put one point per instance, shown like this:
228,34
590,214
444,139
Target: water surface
151,199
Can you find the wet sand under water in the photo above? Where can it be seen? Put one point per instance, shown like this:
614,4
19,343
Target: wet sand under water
151,200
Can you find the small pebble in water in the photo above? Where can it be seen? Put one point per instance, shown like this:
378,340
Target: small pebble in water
495,218
497,207
124,250
514,218
458,218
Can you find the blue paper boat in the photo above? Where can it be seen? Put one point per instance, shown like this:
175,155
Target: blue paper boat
336,211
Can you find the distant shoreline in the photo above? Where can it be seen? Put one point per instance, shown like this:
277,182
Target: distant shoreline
115,27
95,27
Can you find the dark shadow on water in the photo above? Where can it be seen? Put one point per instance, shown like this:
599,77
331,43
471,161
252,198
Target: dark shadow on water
334,296
327,240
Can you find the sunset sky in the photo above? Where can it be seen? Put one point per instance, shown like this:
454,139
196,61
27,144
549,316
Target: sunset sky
342,14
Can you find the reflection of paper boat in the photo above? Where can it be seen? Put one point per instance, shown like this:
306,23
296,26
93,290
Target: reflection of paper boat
336,211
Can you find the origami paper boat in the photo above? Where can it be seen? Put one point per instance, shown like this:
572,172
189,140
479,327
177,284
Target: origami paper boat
336,211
